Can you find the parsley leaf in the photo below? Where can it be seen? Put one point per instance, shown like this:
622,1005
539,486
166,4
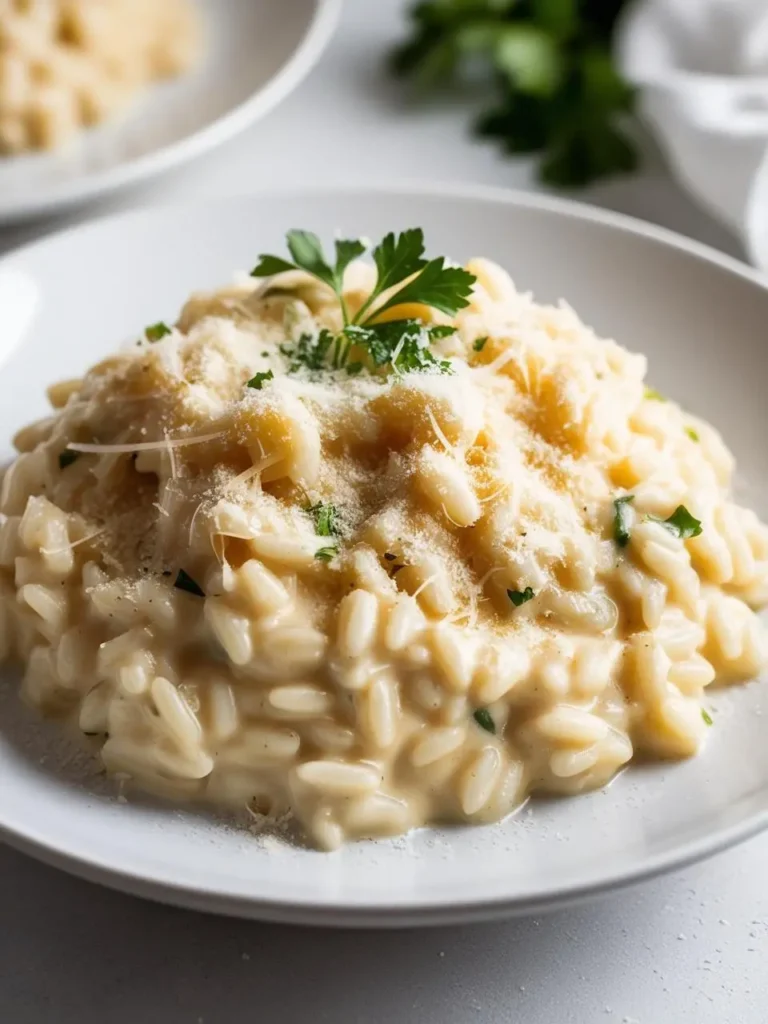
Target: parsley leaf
518,597
327,519
395,259
156,331
259,380
485,720
621,520
707,717
268,266
346,251
307,253
326,554
692,434
682,523
66,458
185,582
443,288
479,344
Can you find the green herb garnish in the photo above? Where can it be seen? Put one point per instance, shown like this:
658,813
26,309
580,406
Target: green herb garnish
555,88
479,344
402,270
401,344
156,331
66,458
310,351
326,554
259,380
681,523
185,582
485,720
518,597
692,434
707,717
621,520
327,519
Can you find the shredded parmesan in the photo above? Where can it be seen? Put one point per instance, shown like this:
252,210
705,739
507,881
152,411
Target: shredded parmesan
74,544
171,457
440,435
143,446
427,582
448,516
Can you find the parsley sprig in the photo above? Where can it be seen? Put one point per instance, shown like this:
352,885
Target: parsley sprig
402,271
559,92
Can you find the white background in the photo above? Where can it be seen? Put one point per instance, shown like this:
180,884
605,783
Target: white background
689,948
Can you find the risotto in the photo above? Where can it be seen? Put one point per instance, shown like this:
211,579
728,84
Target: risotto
370,547
68,64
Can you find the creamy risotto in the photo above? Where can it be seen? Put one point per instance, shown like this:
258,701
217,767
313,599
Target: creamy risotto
373,547
67,64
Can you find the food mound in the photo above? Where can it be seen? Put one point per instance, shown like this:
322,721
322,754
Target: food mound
369,546
68,64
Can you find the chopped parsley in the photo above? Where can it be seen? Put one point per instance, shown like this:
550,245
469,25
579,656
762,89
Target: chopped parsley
401,344
692,434
518,597
326,554
681,523
479,344
259,380
652,395
310,351
485,720
156,331
66,458
402,271
327,519
185,582
621,520
707,717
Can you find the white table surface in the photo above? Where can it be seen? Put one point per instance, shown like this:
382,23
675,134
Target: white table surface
688,948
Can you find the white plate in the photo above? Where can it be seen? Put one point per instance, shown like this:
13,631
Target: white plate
701,319
257,52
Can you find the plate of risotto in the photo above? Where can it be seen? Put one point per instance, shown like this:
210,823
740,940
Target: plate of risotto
392,558
99,94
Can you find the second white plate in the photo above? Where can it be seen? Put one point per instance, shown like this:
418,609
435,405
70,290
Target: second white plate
256,54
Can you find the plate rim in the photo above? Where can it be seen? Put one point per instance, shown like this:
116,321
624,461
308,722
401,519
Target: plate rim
416,912
97,185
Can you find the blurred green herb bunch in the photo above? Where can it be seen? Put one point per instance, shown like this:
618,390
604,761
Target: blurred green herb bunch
559,93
